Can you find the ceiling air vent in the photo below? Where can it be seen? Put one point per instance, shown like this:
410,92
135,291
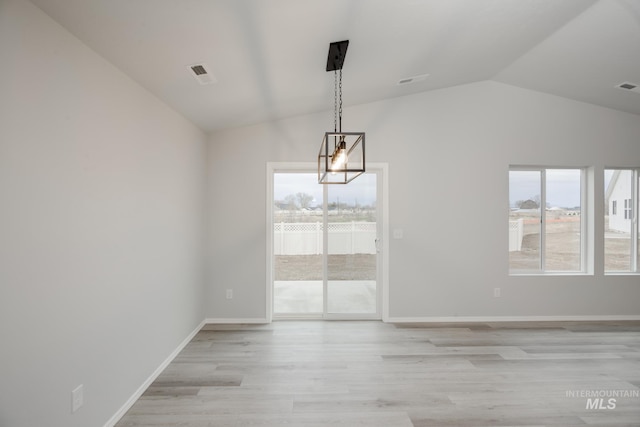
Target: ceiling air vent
414,79
200,73
629,86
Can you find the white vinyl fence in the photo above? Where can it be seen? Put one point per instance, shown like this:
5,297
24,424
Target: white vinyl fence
516,233
305,238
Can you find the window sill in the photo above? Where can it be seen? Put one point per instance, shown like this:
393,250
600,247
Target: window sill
551,274
622,273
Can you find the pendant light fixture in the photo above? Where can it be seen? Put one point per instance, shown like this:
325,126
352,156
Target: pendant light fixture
341,156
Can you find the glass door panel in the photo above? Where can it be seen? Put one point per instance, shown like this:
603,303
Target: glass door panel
297,245
352,256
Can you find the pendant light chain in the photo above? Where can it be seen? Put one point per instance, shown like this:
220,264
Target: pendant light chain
340,111
335,101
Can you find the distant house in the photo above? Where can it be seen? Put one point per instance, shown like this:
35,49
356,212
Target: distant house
618,199
529,204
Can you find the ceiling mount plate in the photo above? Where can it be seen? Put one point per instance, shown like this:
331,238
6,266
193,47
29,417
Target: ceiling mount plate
337,53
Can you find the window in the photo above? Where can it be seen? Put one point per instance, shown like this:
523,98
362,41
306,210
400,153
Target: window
627,209
546,220
621,235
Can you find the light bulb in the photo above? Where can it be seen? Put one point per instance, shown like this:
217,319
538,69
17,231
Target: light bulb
339,156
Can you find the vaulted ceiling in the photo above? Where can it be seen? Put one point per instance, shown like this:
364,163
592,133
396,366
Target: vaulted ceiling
267,57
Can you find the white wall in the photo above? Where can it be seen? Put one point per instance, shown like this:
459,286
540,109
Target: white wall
101,225
446,148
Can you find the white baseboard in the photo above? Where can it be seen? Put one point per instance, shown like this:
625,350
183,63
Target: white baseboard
123,410
486,319
235,321
457,319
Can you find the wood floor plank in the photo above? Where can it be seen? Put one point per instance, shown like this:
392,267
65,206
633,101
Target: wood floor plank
346,419
314,373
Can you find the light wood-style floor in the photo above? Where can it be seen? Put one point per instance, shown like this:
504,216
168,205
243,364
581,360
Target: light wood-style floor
315,373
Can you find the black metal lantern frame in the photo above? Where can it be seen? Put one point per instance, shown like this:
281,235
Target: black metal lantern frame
330,169
342,154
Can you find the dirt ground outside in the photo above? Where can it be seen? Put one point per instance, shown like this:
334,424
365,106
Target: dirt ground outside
562,249
341,267
563,242
563,246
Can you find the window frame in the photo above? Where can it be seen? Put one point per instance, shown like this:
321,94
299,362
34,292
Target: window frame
585,266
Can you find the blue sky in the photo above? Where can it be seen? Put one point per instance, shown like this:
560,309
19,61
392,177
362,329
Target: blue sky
361,190
563,187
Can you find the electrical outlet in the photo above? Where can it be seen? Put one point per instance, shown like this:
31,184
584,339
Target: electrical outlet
229,293
77,398
496,292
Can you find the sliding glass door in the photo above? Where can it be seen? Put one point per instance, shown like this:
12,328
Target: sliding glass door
325,255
